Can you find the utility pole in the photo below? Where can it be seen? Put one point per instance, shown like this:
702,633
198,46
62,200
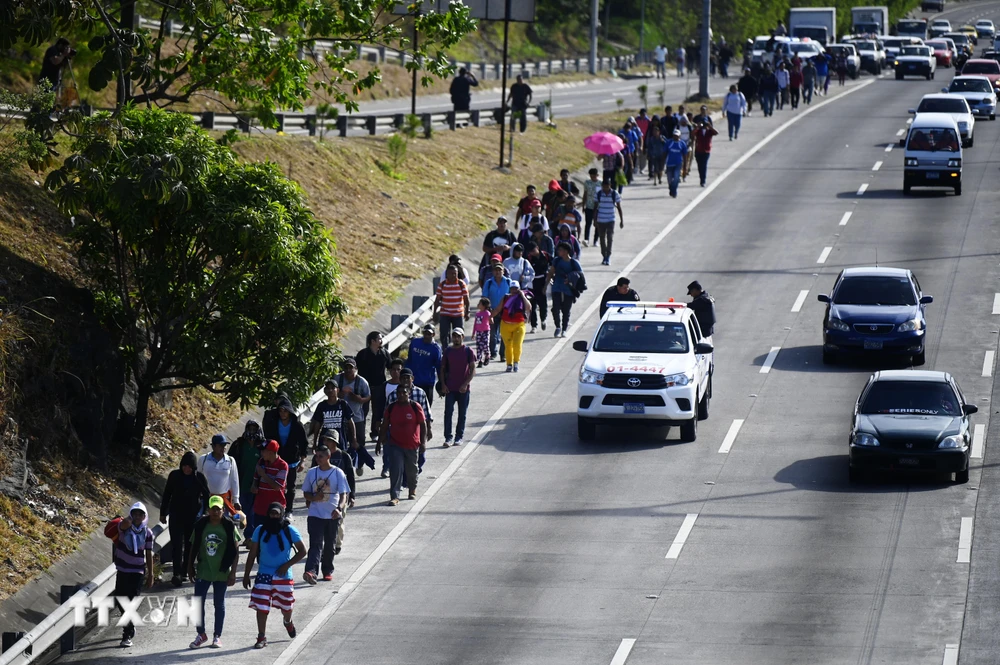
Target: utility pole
126,24
607,20
642,28
706,46
503,84
593,36
413,85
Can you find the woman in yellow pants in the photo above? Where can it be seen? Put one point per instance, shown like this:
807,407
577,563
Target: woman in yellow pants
513,310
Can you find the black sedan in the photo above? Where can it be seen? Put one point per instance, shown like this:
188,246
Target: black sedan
909,419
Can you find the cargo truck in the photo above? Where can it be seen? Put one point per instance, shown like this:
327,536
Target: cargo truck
909,27
870,20
817,23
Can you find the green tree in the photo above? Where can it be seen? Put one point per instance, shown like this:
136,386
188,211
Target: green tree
247,52
212,272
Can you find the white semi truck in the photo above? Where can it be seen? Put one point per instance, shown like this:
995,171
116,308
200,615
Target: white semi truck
870,20
817,23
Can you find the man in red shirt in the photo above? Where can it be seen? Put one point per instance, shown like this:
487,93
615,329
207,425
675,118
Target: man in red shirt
404,434
269,481
703,134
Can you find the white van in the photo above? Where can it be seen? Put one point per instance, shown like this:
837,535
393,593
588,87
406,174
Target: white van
932,153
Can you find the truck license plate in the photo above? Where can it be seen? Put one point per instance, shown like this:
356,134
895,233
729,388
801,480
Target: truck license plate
873,344
909,461
933,175
635,407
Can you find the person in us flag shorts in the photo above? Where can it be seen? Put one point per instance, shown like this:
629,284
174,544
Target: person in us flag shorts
275,546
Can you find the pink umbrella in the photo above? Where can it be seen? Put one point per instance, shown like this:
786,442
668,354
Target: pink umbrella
603,143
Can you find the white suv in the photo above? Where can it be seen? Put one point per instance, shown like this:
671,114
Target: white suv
647,364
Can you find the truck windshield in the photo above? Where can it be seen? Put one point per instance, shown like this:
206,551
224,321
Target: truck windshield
642,337
816,34
915,50
933,140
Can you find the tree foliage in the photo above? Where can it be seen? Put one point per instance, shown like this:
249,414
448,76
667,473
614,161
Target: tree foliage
212,272
25,142
248,52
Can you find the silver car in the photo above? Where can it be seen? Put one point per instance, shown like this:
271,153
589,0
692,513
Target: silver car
952,105
978,92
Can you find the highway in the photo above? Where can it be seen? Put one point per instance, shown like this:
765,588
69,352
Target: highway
747,546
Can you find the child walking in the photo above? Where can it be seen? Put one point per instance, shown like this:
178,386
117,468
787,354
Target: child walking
481,328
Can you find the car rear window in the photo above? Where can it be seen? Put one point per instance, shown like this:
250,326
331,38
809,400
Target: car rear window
915,50
981,68
939,105
913,398
875,290
933,140
642,337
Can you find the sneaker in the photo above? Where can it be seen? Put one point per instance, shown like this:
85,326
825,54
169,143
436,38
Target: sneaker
309,577
558,330
562,333
360,472
515,368
510,368
392,502
532,329
543,325
479,364
586,243
486,362
336,550
261,642
385,474
411,496
216,642
289,628
446,444
198,641
328,577
459,441
176,580
126,642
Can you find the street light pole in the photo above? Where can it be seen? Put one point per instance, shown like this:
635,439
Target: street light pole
642,28
503,83
593,36
706,47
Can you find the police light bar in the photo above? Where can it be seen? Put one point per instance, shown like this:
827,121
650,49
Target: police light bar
646,305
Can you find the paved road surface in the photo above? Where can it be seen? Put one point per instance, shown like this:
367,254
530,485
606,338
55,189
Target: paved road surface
531,547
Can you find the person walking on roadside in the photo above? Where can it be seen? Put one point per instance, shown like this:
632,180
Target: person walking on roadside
421,398
496,289
357,393
565,235
245,452
564,275
404,435
620,292
270,416
684,126
461,90
334,414
423,358
613,163
809,75
795,85
291,435
677,150
451,303
338,458
221,473
518,268
325,488
458,368
782,77
656,146
270,476
822,73
734,105
668,123
703,306
535,216
276,546
133,561
590,189
524,205
841,69
660,60
373,362
216,553
540,262
680,54
519,100
513,313
608,201
185,496
481,331
703,134
768,90
747,86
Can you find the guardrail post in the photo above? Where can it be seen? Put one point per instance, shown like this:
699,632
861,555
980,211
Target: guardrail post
418,301
370,124
452,121
381,54
86,110
496,68
360,52
243,123
67,642
342,125
435,283
208,119
474,118
397,320
168,27
280,117
399,120
482,70
425,120
311,124
10,639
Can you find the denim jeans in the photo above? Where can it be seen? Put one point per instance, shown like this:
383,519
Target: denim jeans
767,98
322,540
450,400
702,159
807,91
402,467
201,588
735,120
674,178
605,234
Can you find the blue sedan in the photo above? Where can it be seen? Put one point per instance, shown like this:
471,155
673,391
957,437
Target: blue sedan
875,311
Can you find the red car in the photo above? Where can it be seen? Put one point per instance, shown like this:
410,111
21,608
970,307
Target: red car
942,52
983,67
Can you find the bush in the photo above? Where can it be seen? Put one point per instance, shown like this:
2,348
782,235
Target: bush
397,150
19,144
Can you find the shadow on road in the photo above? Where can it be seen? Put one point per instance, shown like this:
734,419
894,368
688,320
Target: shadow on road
829,474
810,359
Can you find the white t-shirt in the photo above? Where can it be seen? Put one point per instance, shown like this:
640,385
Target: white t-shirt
327,486
660,54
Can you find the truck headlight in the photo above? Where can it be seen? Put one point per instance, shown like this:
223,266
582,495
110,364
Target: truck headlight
912,161
963,126
837,324
911,325
677,380
866,440
954,163
895,63
952,442
586,376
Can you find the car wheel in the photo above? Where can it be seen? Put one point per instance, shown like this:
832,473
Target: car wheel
932,74
586,429
928,77
920,358
711,386
993,116
906,188
899,77
971,142
703,407
829,358
689,430
958,190
853,475
961,477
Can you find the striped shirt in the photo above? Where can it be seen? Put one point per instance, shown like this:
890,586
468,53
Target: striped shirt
606,206
266,494
127,561
453,298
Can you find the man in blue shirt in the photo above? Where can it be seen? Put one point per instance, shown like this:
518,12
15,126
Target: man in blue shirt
496,289
424,359
676,151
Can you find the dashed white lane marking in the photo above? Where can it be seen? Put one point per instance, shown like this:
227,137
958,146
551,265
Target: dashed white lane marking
685,531
996,303
988,363
624,649
965,541
824,255
862,189
900,132
734,429
978,439
769,360
950,654
563,106
888,148
607,101
909,121
800,300
847,216
877,166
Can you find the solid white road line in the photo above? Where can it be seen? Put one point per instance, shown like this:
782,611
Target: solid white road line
771,356
988,363
900,132
862,189
797,305
996,303
877,166
607,101
978,439
950,654
563,106
730,439
824,255
847,216
685,530
624,649
344,592
965,541
888,148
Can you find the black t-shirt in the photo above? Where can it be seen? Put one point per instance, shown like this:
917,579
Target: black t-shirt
335,417
519,93
491,237
373,366
570,188
50,70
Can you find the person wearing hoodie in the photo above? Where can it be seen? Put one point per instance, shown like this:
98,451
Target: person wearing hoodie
747,85
513,313
289,432
217,554
276,546
271,413
552,198
565,235
518,267
133,560
524,225
768,90
245,452
185,497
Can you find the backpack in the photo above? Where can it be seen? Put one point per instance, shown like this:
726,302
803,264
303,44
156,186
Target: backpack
113,529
